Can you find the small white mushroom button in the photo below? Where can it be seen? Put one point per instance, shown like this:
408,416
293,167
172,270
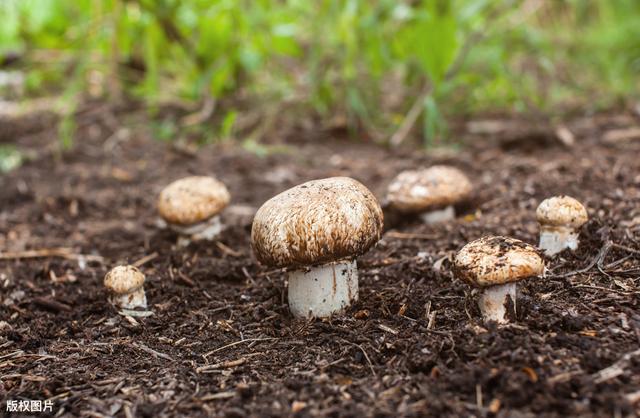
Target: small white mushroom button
430,193
560,219
126,286
191,207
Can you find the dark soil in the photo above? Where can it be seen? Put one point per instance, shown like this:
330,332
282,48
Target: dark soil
414,344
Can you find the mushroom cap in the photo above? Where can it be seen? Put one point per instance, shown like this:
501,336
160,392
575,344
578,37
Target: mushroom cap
123,279
429,188
191,200
562,211
496,260
316,222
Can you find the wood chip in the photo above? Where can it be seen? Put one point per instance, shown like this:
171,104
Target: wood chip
132,321
616,369
153,352
228,250
222,365
27,377
298,406
565,136
407,235
51,304
619,135
136,314
403,309
144,260
533,376
494,406
561,377
633,397
218,396
66,253
247,340
18,353
361,314
432,319
388,329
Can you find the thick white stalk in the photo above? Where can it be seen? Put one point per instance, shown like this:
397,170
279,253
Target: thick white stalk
438,215
323,290
493,300
555,239
205,230
132,300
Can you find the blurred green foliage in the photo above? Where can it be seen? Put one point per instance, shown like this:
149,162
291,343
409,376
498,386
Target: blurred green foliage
366,61
10,158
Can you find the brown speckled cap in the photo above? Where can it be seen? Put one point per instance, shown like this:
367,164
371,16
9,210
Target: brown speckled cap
123,279
316,222
430,188
192,200
562,211
496,260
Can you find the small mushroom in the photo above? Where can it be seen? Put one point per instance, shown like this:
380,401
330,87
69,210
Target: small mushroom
191,207
495,264
429,192
560,219
126,285
317,230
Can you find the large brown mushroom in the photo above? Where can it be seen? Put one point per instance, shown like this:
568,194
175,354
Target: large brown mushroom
317,230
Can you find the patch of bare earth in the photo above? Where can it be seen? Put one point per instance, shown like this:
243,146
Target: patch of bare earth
222,342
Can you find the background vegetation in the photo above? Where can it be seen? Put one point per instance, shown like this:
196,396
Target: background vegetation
377,67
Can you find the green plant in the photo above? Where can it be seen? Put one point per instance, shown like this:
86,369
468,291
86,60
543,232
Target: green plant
10,158
336,58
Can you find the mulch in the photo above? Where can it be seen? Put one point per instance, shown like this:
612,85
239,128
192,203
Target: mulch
222,342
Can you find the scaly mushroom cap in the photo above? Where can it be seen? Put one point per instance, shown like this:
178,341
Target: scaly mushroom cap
491,261
316,222
192,200
430,188
562,211
123,279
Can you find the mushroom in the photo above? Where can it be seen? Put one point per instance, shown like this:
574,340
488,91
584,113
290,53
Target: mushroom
191,207
560,218
316,230
126,285
495,264
430,192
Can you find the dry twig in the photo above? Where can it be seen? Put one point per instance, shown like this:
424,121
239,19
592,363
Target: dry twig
66,253
153,352
366,356
248,340
597,260
222,365
616,369
144,260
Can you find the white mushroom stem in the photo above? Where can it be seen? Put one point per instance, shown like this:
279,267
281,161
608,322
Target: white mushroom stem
132,300
438,215
493,302
555,239
205,230
323,290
